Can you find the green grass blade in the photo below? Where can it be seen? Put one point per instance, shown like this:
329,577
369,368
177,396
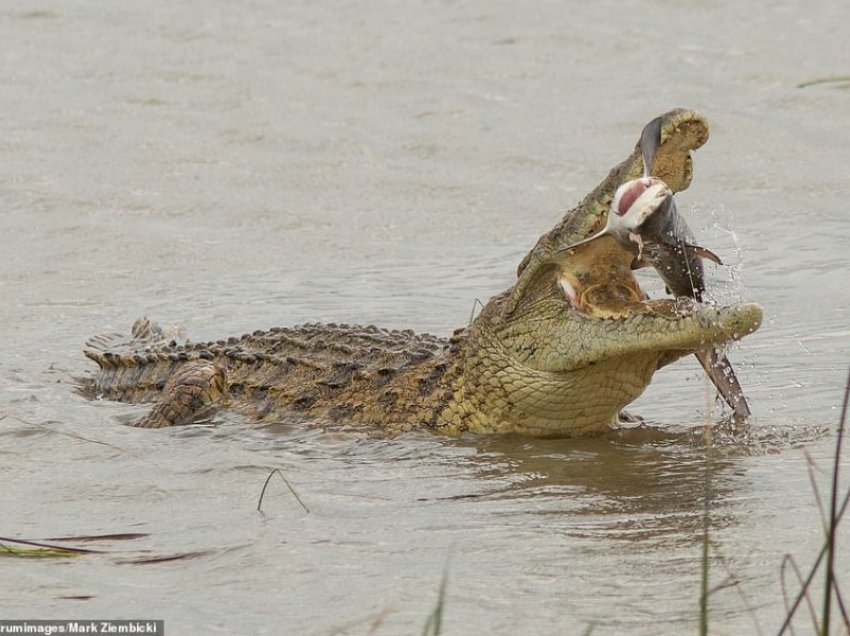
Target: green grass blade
836,79
829,587
32,550
434,624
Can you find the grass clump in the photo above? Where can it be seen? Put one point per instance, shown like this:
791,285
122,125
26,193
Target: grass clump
832,603
838,505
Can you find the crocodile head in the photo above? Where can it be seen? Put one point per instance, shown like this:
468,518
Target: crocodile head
576,338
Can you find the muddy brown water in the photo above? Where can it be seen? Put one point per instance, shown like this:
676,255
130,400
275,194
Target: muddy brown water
223,167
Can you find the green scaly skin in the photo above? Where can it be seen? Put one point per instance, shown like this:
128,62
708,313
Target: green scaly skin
559,354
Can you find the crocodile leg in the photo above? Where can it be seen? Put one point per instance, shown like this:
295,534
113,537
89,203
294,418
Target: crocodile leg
194,392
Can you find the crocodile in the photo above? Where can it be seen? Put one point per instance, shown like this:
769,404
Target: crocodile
558,354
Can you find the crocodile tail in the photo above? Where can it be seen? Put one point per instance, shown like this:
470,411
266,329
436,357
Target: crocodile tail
147,366
112,349
130,367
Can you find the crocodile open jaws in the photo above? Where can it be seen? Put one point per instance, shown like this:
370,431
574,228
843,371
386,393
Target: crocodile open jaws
559,354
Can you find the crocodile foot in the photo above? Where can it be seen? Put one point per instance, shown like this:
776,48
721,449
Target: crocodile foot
195,392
